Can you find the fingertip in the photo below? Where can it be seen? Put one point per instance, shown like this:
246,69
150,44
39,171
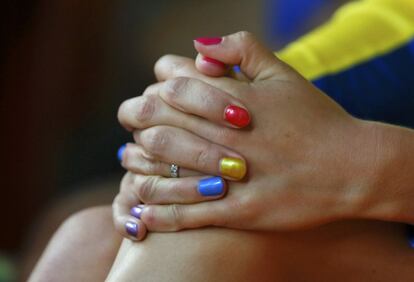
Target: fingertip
136,211
212,187
148,217
120,152
207,41
237,116
135,229
242,48
210,67
233,168
236,69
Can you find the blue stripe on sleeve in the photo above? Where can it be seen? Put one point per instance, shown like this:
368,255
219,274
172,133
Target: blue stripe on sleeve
381,89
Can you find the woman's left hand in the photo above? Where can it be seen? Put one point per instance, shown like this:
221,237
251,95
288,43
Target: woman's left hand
308,160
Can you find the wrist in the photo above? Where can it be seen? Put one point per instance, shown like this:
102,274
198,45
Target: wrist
387,186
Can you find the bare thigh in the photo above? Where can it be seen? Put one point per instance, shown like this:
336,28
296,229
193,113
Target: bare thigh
346,251
85,247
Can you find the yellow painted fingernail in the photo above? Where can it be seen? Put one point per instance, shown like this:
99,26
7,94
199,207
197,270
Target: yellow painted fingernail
232,167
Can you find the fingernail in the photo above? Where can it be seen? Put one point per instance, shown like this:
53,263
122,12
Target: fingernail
136,211
121,152
236,69
131,228
209,40
214,61
237,116
232,167
411,236
212,186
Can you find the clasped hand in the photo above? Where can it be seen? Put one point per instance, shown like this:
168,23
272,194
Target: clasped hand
271,153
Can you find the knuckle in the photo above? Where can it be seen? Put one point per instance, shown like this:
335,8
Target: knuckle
116,202
247,41
147,156
151,89
226,136
246,36
175,87
203,156
127,157
146,188
243,207
155,140
146,163
169,66
126,181
149,168
176,190
176,212
210,98
145,109
123,112
161,64
150,217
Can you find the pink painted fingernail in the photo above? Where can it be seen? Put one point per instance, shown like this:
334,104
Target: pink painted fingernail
209,40
214,61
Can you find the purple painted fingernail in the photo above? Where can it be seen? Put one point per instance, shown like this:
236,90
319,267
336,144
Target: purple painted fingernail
136,211
131,228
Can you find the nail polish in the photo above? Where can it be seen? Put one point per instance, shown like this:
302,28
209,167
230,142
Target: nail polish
209,40
233,167
410,230
236,69
212,186
136,211
131,228
237,116
121,152
214,61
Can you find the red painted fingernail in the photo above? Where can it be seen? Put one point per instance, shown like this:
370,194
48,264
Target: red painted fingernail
237,116
214,61
209,40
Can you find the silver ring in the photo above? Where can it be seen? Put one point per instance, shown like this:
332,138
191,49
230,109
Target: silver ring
174,171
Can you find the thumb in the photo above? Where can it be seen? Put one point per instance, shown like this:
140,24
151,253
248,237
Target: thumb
243,49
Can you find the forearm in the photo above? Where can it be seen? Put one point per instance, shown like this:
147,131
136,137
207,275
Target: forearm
391,195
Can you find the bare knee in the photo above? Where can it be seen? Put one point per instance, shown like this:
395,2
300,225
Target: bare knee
81,240
100,218
210,254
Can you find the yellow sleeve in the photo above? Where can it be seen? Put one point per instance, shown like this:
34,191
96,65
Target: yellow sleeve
356,33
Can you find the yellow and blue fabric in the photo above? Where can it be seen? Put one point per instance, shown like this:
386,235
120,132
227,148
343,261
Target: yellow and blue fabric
364,59
286,20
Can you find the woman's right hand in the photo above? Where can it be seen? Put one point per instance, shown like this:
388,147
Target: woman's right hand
146,180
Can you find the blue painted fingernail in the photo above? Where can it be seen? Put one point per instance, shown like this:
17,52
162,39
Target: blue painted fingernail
121,152
213,186
136,211
131,228
236,69
411,235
